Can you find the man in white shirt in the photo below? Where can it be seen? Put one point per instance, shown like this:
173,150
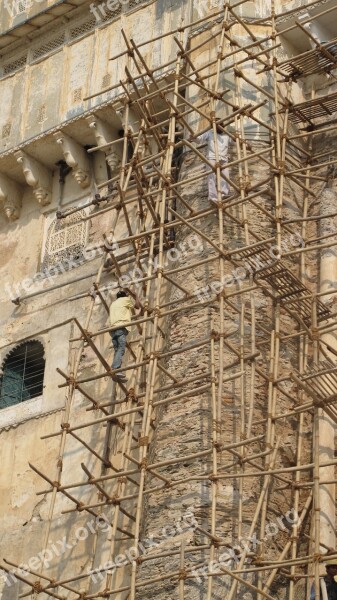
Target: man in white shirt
120,316
222,140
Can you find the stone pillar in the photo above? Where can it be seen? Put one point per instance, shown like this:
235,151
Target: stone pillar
182,426
328,281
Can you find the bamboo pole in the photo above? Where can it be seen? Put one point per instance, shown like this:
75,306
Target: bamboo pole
129,431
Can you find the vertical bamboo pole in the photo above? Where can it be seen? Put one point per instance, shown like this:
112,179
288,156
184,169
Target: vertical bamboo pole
303,361
303,515
327,428
182,574
277,143
253,370
215,442
217,407
244,180
243,448
154,291
270,433
256,516
69,399
296,500
153,358
280,137
127,442
316,460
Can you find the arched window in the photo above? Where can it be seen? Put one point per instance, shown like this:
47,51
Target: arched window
66,239
22,374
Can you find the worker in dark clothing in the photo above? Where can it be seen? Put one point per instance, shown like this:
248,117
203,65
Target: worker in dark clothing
328,586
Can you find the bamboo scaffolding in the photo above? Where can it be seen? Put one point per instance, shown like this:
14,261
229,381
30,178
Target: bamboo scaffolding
123,471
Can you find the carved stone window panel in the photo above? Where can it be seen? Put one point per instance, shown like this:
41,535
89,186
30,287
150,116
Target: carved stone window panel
24,5
77,95
6,130
65,241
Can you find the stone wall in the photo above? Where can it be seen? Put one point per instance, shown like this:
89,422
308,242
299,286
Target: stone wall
183,427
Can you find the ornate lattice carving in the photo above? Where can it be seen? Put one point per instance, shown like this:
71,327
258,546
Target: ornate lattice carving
64,33
48,45
6,130
42,113
106,81
66,239
83,28
77,95
14,64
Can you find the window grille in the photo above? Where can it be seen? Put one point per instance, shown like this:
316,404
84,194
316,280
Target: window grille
66,239
49,46
14,65
77,95
111,14
22,6
65,35
132,4
83,28
42,114
6,130
22,374
106,81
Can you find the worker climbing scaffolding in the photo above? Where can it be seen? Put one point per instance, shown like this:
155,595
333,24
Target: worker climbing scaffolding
191,357
328,585
120,316
216,144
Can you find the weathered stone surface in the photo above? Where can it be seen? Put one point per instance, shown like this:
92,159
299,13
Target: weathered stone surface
42,103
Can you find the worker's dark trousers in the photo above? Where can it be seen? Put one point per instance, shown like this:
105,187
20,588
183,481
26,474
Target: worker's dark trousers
119,342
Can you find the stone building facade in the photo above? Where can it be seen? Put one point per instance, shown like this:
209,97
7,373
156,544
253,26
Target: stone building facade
58,87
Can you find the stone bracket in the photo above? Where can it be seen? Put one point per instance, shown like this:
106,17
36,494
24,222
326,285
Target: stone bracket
10,197
37,177
76,158
105,134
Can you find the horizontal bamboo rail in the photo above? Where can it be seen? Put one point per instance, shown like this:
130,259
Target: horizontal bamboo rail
244,389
